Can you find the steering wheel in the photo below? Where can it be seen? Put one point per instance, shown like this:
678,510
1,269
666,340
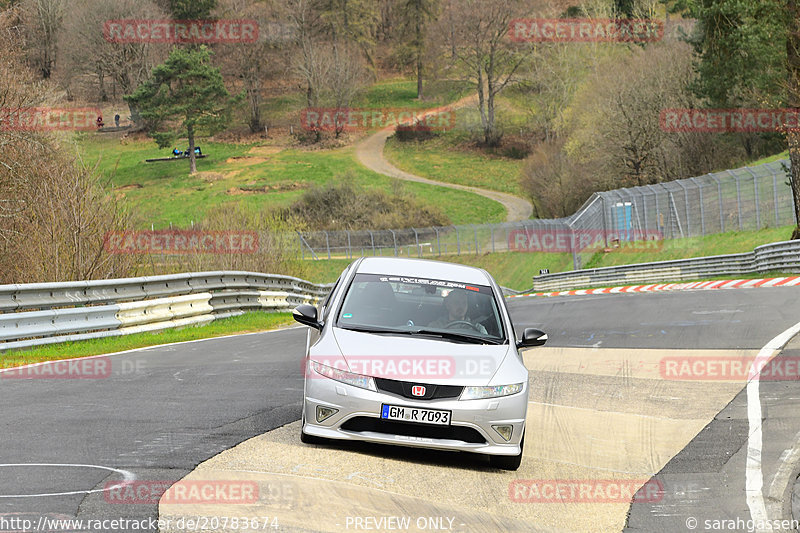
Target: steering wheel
460,323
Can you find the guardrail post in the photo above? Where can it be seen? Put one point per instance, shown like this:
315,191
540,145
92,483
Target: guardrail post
686,207
310,249
328,244
644,212
458,242
491,236
438,242
721,214
416,238
349,249
738,198
372,239
394,238
576,262
775,195
702,207
755,190
476,239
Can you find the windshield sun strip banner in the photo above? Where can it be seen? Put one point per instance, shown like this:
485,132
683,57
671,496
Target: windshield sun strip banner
412,280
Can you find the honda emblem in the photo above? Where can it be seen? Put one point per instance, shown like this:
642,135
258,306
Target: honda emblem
418,390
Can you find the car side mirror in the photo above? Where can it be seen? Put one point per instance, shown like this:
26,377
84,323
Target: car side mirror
307,314
532,337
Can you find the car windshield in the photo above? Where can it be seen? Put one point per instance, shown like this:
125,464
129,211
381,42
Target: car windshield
407,304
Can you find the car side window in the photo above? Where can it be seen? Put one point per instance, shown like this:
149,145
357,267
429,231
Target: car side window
325,306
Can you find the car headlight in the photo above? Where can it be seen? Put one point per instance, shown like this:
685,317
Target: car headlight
356,380
479,393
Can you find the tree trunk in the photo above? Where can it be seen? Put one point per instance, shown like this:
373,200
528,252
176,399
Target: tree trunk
419,57
192,159
310,95
255,111
491,132
419,75
793,101
136,118
482,102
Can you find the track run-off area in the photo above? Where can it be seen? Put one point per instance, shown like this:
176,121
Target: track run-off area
644,396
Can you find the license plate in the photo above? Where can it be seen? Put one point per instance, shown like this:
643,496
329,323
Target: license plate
413,414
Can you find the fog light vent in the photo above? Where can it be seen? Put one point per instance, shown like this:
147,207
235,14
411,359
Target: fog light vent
323,413
503,431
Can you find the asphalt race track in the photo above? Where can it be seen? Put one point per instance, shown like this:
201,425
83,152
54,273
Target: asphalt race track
602,410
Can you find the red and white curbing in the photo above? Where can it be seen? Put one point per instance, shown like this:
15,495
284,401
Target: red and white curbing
697,285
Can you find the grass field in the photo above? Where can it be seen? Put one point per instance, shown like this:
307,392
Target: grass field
246,323
437,160
267,173
163,192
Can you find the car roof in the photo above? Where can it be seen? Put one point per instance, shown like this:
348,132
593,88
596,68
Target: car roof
424,268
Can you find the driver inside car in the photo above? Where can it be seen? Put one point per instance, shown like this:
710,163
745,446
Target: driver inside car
456,305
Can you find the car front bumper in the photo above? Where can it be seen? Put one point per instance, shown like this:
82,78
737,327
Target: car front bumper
360,405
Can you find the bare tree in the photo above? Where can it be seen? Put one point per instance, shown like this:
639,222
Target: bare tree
557,184
43,20
616,124
255,63
478,32
345,74
90,59
308,61
54,211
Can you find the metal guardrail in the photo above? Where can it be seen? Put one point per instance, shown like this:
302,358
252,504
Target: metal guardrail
780,256
46,313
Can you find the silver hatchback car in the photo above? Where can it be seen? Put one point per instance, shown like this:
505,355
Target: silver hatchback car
416,353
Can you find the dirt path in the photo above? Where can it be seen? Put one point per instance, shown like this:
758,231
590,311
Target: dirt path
370,154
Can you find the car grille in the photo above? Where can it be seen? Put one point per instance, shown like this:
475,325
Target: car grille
403,388
391,427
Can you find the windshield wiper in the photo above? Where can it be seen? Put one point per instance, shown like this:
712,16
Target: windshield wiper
454,336
371,329
450,335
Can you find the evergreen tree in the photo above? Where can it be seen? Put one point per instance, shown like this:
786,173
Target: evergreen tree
184,97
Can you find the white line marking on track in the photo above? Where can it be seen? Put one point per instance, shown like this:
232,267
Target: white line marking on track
127,478
754,477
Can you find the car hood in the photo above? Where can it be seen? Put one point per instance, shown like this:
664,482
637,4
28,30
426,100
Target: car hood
418,359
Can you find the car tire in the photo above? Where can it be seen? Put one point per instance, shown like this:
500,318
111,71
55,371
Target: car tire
305,438
508,462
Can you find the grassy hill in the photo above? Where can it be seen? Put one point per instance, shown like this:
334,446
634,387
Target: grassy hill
269,172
